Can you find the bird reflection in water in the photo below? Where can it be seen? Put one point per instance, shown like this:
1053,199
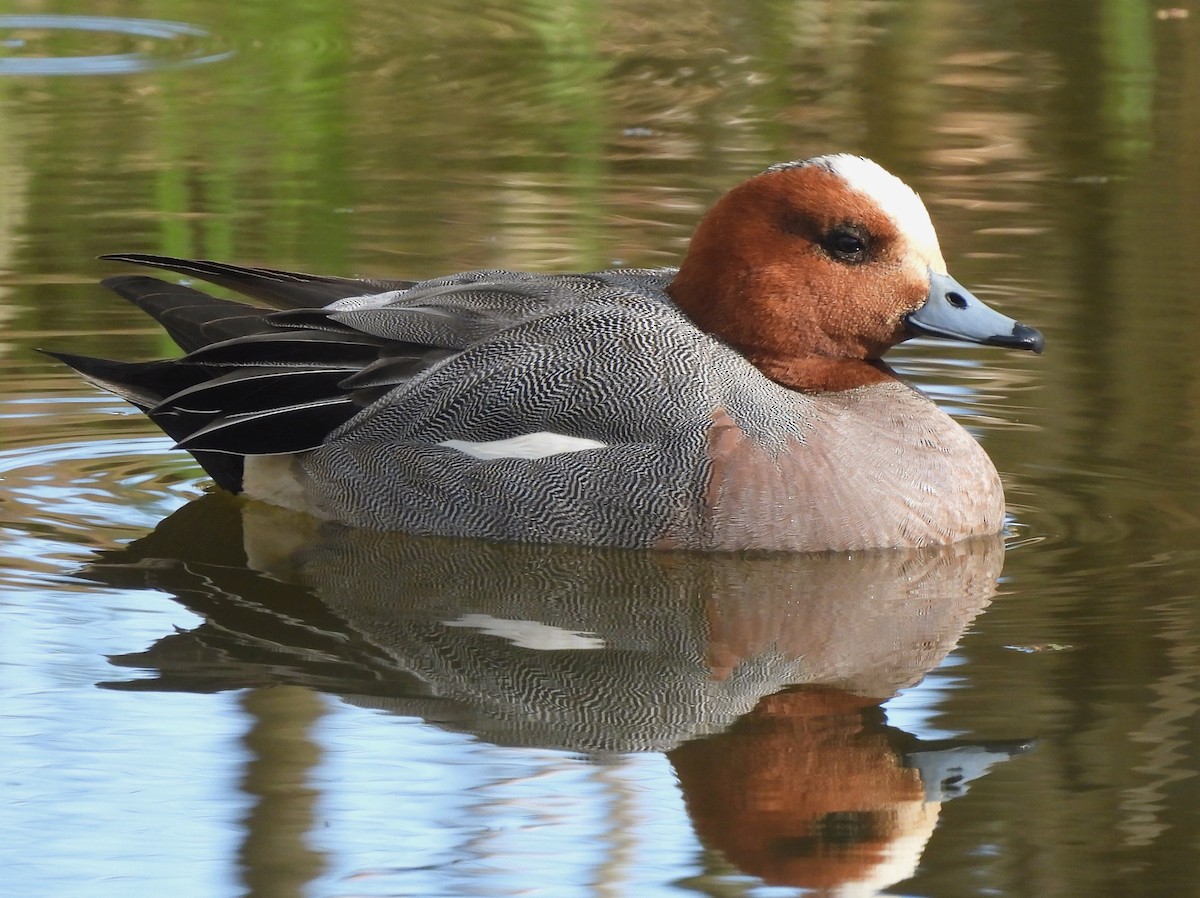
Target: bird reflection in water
759,675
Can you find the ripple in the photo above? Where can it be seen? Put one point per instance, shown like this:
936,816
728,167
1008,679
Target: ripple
119,484
147,45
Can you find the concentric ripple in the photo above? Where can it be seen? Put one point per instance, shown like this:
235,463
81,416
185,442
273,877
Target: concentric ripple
123,484
36,45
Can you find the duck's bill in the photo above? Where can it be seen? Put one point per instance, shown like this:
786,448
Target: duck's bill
953,313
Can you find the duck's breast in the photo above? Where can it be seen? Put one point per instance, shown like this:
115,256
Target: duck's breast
875,466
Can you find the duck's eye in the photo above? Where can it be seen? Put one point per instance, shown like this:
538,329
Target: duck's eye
847,244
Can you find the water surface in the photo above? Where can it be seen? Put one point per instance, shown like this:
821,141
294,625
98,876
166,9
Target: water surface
215,699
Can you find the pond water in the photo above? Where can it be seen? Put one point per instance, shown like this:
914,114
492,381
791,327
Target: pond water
209,698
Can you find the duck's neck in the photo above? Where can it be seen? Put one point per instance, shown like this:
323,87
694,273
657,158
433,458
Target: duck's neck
815,374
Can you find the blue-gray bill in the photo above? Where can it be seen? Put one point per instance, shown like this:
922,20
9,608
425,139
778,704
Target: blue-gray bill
952,312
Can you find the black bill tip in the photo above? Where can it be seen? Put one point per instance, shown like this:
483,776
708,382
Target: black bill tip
1022,337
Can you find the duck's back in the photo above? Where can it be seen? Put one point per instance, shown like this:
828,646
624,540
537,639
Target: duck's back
583,421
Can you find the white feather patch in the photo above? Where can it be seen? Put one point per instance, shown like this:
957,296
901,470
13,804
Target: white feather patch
542,444
529,634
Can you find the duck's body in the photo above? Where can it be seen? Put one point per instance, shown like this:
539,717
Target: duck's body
736,403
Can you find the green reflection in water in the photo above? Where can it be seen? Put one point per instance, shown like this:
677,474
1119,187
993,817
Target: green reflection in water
277,858
1127,43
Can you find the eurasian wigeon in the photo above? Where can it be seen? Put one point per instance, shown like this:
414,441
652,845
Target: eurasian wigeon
738,402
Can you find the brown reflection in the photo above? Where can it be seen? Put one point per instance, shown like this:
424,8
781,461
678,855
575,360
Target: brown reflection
277,860
760,675
810,789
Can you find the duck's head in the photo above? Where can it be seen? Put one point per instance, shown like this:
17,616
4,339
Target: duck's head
814,269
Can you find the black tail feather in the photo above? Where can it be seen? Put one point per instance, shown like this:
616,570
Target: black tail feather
271,431
146,384
279,289
256,381
193,319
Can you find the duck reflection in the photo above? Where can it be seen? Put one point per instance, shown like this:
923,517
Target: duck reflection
760,676
812,788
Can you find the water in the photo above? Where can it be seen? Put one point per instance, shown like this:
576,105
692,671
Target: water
221,700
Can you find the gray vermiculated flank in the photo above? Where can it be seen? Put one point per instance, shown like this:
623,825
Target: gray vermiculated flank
605,357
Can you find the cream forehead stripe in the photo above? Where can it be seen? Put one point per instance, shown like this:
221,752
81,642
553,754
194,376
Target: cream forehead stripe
897,200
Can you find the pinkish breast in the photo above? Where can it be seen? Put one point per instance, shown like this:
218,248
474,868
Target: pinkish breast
877,466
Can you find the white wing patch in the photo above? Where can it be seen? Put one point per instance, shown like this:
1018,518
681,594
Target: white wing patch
542,444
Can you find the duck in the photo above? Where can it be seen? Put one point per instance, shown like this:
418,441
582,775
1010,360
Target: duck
738,402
